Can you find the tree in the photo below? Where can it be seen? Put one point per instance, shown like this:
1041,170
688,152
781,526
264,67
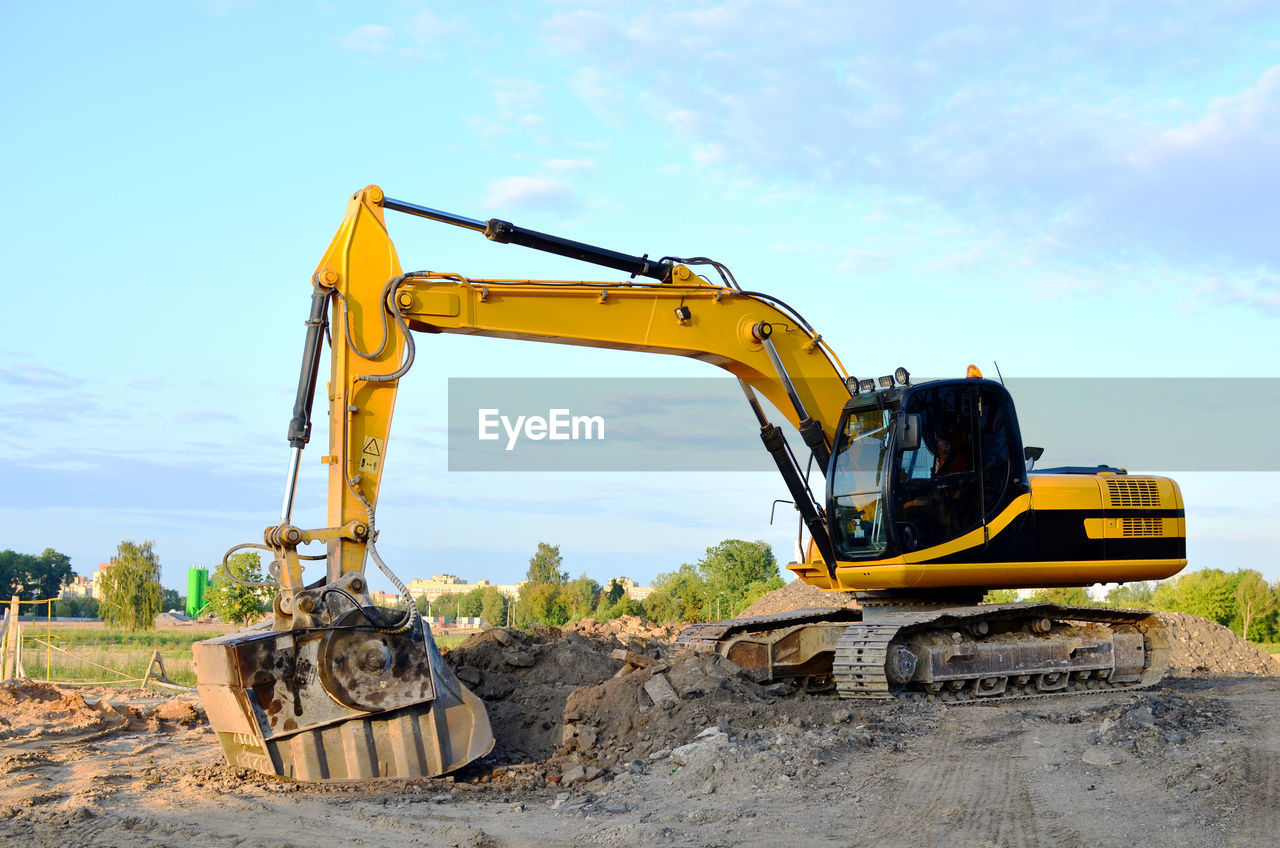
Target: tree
1067,596
679,595
171,600
233,602
615,592
471,603
88,608
33,578
1132,595
1254,598
730,570
541,603
1208,593
544,566
624,606
493,606
130,587
1001,596
444,606
581,597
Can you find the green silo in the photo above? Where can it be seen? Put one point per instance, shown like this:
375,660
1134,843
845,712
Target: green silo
197,582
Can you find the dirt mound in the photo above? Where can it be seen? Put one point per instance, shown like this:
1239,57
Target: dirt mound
706,724
525,677
798,595
624,628
30,710
1205,647
656,708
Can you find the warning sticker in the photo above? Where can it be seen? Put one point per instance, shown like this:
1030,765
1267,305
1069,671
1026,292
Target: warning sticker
371,455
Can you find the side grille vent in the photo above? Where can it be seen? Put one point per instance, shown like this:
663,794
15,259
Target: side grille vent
1141,527
1133,492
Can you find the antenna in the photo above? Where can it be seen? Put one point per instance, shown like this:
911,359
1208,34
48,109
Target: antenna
998,374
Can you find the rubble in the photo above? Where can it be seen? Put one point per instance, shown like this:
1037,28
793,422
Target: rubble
1199,646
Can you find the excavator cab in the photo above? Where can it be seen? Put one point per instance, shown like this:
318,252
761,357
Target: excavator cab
916,467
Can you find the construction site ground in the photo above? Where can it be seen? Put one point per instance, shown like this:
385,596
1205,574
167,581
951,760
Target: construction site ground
685,749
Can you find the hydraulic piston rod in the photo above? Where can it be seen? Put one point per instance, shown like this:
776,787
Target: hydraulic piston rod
505,232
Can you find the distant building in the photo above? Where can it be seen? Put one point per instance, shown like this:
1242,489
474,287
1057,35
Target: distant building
78,587
95,590
451,584
634,590
436,585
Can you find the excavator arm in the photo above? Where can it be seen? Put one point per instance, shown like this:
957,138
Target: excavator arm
374,305
339,689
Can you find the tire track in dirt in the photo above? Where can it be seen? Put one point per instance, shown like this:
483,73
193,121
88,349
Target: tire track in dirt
1260,808
967,789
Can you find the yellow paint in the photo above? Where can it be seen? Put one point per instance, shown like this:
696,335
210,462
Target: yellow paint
361,259
898,574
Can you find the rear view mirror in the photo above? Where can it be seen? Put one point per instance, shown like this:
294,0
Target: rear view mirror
1032,454
907,432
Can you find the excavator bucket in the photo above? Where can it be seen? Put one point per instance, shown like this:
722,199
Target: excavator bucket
350,701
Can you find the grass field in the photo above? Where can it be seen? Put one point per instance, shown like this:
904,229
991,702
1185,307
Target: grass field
101,655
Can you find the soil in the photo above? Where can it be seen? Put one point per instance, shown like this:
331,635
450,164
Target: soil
797,595
673,748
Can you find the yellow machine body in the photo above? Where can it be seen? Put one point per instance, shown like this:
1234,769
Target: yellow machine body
337,689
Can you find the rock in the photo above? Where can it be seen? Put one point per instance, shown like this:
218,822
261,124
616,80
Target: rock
586,739
519,658
660,690
630,658
468,674
502,635
580,774
1142,716
1099,756
702,750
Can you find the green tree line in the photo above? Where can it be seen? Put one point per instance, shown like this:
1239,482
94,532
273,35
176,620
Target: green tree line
731,576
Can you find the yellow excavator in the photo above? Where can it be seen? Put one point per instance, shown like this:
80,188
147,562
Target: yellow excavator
929,502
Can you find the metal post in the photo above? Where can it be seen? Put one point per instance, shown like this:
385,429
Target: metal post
10,633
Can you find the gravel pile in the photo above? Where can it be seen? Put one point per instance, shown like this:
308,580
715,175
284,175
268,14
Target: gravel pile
798,595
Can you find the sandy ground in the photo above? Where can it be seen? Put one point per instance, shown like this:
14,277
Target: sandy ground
1193,763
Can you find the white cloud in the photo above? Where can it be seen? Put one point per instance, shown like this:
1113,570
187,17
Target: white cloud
517,95
561,166
369,38
205,416
532,193
34,375
1259,290
600,91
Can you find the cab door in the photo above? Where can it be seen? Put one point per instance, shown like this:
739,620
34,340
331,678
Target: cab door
937,485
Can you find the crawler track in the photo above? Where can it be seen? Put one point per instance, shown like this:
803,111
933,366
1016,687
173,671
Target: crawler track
974,654
863,653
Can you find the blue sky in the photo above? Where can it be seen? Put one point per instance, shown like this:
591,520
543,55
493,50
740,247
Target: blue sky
1074,189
